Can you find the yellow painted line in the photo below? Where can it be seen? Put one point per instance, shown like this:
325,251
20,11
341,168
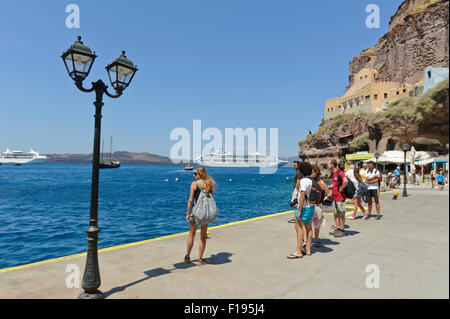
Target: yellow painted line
41,262
137,243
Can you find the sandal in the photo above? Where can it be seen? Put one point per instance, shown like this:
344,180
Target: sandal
317,244
187,259
292,256
203,262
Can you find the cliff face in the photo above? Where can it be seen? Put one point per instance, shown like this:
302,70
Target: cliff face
418,37
429,123
421,121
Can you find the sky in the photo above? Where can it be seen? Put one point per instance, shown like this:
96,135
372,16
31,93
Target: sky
229,63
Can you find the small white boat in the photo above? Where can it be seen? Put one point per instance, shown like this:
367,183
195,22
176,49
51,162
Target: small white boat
188,167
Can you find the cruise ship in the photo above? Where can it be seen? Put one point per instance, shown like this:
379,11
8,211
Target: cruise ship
19,157
225,159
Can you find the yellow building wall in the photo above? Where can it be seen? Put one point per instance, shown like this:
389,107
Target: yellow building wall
366,95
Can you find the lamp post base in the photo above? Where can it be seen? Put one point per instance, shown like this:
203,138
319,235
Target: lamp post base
97,295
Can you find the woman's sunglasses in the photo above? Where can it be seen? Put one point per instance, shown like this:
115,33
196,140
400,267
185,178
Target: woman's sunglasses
195,173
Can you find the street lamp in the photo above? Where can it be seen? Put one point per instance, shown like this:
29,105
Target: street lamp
405,147
78,60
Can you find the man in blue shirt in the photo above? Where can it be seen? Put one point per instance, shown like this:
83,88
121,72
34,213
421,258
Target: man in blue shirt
397,173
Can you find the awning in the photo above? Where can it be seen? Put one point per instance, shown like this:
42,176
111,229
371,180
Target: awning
424,161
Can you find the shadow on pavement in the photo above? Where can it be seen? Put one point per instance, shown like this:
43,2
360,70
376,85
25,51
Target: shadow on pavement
327,241
218,259
351,233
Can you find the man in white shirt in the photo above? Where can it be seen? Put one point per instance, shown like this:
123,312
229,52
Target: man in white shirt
372,180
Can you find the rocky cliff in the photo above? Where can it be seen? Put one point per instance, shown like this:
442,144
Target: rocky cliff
418,37
421,121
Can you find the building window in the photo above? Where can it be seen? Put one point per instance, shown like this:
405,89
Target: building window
375,96
398,92
385,95
429,74
365,76
367,97
404,90
360,77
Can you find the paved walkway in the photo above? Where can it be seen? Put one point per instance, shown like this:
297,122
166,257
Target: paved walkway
409,245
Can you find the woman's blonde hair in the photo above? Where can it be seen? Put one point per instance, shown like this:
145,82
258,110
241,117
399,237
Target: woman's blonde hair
209,182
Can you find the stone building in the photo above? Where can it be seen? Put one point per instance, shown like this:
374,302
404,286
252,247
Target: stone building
366,95
434,76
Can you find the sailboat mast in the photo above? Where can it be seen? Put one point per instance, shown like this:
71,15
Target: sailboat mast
110,150
103,144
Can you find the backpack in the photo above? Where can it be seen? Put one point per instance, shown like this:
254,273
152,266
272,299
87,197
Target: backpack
205,209
349,190
317,193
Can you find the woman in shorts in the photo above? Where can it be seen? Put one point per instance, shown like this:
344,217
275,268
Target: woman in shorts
304,213
203,180
361,190
433,179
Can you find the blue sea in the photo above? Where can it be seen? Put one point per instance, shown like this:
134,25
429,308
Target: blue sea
45,207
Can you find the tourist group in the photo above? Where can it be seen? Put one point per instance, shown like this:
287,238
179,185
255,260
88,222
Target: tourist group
309,198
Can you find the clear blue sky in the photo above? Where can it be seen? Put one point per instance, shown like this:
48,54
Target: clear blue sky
229,63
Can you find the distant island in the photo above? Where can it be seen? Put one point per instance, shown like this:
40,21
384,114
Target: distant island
141,158
133,158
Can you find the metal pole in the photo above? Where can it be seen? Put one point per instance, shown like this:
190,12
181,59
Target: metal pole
404,178
91,278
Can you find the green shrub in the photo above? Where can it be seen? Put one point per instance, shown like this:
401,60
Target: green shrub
409,109
359,143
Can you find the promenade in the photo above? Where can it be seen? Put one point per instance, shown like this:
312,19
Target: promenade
409,246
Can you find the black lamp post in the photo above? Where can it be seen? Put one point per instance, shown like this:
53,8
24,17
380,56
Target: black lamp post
78,60
405,147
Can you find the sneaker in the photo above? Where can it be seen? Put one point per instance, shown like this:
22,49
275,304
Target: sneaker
339,233
378,217
366,216
351,217
333,232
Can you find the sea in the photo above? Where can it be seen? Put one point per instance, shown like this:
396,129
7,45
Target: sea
44,208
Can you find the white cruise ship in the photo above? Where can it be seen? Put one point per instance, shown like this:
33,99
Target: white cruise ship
19,157
224,159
